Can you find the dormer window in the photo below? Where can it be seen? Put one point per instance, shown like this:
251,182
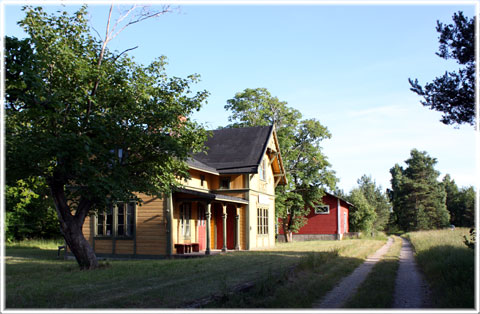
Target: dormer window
225,183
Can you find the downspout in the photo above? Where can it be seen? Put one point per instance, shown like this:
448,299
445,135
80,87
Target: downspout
339,236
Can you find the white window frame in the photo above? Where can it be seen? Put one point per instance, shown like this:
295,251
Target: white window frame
319,211
262,171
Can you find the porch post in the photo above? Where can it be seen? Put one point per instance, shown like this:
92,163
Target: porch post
224,216
169,231
208,215
237,228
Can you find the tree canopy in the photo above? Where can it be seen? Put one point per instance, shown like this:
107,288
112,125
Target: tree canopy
96,125
460,203
454,92
375,198
307,168
417,197
362,214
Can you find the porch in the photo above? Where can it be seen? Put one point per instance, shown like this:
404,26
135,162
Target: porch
205,222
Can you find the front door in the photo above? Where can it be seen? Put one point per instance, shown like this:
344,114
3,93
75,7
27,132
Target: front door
201,227
231,228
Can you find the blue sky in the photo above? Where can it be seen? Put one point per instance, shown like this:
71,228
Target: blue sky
345,65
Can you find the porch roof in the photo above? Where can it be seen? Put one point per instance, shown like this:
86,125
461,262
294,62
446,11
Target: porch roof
212,196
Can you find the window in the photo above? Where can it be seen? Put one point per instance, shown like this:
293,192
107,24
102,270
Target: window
202,179
105,223
225,183
262,171
322,209
121,226
262,220
185,215
125,219
201,214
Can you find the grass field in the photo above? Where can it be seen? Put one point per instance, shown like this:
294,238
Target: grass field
448,266
36,278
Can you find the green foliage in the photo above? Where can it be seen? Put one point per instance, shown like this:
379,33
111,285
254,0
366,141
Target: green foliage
460,203
308,170
29,213
417,197
96,125
376,199
362,215
57,124
454,92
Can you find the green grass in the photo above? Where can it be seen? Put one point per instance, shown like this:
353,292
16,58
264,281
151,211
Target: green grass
448,266
36,278
378,289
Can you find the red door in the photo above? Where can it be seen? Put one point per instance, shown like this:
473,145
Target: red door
201,227
231,228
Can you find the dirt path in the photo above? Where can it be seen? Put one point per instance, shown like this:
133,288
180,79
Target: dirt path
411,290
348,286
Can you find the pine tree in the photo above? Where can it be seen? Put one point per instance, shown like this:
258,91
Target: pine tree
460,203
418,198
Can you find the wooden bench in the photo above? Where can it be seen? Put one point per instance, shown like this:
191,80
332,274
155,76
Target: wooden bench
180,248
183,248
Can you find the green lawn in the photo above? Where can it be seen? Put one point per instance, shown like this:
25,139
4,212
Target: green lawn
35,278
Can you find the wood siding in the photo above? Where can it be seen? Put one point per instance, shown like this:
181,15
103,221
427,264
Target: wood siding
151,236
324,223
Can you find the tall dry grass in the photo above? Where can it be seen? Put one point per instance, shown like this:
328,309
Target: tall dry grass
448,265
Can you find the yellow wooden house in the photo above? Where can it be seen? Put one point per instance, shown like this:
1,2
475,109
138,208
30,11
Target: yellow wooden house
227,204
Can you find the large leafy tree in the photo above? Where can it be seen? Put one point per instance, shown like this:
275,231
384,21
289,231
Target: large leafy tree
362,214
308,170
96,125
29,213
376,199
454,92
460,203
418,198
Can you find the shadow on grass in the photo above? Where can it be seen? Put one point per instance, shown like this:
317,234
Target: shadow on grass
299,286
451,275
249,279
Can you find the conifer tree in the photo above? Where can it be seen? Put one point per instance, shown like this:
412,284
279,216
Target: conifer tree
418,198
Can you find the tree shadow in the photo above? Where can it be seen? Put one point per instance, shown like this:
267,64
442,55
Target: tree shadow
299,286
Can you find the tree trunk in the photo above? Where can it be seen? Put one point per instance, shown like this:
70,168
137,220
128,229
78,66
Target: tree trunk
71,225
81,249
285,230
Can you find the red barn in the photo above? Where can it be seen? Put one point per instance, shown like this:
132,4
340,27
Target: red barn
325,222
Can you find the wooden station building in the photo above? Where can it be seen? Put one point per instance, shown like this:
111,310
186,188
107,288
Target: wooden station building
227,204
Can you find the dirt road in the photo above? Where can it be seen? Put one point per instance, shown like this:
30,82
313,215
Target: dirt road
411,290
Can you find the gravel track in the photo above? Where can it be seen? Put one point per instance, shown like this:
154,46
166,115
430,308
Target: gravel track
411,290
348,286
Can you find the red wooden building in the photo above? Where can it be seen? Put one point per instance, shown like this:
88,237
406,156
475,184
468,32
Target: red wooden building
325,221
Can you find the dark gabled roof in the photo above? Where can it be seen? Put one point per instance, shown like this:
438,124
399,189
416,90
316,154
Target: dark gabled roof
195,164
235,150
